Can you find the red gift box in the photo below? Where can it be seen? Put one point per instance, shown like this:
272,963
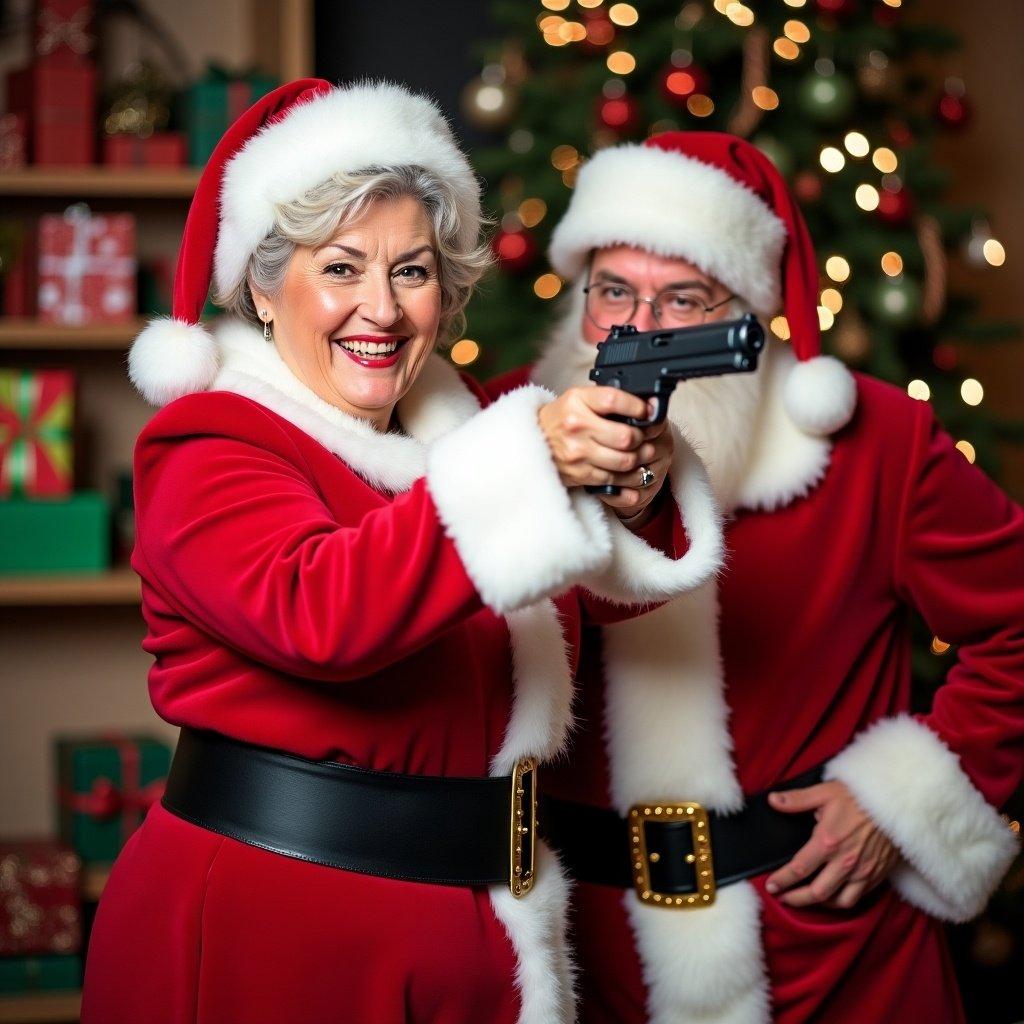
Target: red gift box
40,909
13,141
161,149
21,279
63,32
36,442
60,104
86,267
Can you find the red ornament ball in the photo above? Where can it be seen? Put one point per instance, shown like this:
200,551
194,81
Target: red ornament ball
620,114
953,111
515,250
900,134
895,208
886,16
837,8
807,187
679,84
944,356
600,31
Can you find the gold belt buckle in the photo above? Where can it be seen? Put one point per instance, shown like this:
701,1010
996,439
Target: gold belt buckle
692,814
523,828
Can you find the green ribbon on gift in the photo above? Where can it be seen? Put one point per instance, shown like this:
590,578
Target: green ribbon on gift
20,392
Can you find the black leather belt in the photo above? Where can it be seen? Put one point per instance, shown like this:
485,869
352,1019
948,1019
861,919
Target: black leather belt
675,854
420,828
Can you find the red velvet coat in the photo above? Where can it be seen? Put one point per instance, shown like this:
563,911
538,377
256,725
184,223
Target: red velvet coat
801,656
381,600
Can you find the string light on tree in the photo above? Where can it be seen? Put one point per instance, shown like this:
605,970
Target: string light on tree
895,206
896,301
780,328
826,318
832,300
832,159
547,286
967,450
623,15
919,389
892,264
995,254
621,62
885,160
764,98
856,144
866,197
786,48
464,352
972,392
939,647
797,31
837,268
531,212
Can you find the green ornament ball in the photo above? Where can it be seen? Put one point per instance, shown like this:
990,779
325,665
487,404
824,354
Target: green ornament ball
778,152
896,301
826,98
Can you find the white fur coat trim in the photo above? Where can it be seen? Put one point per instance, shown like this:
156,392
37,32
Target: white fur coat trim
673,205
955,846
352,128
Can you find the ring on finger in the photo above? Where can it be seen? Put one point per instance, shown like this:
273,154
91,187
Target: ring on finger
646,477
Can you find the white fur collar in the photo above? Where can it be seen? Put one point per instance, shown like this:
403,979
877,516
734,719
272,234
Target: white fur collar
437,402
756,457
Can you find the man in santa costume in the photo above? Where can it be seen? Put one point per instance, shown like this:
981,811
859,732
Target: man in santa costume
826,831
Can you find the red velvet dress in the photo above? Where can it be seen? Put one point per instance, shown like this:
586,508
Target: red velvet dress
306,587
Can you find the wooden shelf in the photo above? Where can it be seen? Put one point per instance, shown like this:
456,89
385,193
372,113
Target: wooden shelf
118,586
27,332
41,1008
92,182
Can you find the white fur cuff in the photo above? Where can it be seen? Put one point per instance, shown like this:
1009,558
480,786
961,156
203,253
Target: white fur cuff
637,572
956,847
519,534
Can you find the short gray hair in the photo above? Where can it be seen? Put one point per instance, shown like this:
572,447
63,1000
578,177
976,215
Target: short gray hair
344,198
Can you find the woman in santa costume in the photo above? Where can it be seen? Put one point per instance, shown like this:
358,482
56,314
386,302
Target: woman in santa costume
760,828
363,595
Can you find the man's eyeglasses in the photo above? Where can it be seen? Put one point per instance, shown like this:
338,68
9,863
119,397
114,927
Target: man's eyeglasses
609,303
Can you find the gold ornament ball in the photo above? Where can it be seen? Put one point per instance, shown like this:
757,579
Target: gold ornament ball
488,105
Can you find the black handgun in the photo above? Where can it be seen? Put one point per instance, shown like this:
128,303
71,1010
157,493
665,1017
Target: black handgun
650,364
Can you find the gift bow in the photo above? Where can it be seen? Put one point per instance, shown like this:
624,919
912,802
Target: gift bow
55,32
105,801
21,395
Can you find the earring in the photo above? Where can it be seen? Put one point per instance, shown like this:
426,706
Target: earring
266,325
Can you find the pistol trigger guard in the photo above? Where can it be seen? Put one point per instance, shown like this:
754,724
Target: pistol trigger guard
660,411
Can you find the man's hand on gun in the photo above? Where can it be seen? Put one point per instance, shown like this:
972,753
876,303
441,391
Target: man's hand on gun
590,449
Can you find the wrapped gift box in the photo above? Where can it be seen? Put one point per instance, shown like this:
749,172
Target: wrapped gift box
40,974
213,103
59,104
36,443
68,536
86,267
63,32
40,905
13,141
21,275
106,785
161,149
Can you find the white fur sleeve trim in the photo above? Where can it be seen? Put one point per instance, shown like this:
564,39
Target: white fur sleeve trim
638,572
519,533
955,845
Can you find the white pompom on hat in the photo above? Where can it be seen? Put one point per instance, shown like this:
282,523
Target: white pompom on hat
285,144
717,201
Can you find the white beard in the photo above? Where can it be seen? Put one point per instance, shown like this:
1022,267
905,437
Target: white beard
717,415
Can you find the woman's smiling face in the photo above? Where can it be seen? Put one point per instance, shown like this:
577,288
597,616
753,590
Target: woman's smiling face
356,318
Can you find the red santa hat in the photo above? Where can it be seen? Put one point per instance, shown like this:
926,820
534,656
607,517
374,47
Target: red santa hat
287,143
717,201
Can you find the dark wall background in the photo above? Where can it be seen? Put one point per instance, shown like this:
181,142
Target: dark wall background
433,47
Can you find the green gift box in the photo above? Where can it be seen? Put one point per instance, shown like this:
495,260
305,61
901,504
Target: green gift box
215,102
66,535
105,786
40,973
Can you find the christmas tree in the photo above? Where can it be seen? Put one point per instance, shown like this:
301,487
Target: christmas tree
847,97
